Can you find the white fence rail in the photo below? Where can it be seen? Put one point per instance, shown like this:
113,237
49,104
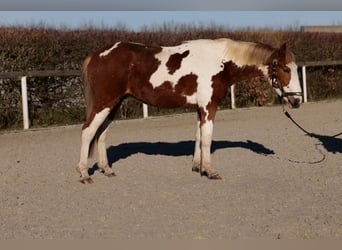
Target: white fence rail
24,75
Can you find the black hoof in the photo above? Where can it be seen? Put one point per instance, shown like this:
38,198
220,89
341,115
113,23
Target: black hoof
109,174
215,176
195,169
204,173
87,180
211,176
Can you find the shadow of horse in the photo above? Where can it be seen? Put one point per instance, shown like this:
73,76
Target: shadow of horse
176,149
330,143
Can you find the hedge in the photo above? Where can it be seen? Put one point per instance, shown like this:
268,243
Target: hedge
59,100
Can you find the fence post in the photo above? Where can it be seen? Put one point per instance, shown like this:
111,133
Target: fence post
145,110
24,101
305,93
232,96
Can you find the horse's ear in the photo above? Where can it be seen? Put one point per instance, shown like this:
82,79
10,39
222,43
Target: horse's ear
283,51
283,47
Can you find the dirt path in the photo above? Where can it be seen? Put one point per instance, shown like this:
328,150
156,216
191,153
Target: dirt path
277,181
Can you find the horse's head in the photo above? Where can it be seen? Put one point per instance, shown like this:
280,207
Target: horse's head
282,71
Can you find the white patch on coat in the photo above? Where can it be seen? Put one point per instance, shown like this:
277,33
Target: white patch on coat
197,153
294,85
87,135
89,132
106,52
207,130
204,60
191,99
206,138
98,120
264,70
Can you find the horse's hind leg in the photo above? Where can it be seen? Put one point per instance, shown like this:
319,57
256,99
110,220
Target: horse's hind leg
88,135
103,159
102,150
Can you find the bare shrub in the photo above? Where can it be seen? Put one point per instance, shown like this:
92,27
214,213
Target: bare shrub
59,100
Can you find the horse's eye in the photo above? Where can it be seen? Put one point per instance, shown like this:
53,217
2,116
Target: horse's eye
287,70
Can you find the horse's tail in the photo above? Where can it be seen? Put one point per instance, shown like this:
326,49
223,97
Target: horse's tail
88,96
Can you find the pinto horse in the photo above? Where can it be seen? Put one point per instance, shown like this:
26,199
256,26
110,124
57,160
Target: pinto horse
195,74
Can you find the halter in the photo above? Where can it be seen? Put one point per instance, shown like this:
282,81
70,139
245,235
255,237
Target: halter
277,84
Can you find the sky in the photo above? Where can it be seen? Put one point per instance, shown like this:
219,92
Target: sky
138,14
170,5
136,20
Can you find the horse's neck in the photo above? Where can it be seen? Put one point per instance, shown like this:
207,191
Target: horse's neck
247,53
238,74
246,59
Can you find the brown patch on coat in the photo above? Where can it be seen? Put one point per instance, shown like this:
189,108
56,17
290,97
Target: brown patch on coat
284,75
128,63
127,71
201,115
229,75
175,61
283,57
187,85
211,109
165,96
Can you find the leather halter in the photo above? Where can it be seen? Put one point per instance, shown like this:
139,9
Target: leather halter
277,84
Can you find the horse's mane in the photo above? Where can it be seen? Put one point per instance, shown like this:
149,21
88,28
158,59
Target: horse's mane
249,53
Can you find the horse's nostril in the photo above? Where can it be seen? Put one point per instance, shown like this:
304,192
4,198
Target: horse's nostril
296,103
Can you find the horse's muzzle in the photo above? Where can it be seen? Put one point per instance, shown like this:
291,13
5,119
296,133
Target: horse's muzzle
293,101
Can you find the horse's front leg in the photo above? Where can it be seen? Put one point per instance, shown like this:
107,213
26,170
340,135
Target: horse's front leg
196,163
206,137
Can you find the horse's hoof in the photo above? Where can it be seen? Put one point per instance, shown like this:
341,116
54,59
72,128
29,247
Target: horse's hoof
215,176
211,176
87,180
110,174
204,173
195,169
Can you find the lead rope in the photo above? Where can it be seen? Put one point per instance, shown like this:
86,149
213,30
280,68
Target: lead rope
309,134
276,83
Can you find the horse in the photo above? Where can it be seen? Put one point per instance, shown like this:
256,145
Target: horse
195,74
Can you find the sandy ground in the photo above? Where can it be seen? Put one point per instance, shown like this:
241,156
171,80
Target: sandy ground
278,182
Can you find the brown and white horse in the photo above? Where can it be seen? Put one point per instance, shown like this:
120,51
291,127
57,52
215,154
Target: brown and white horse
195,74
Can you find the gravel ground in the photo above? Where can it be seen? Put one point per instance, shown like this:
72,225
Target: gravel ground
278,182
